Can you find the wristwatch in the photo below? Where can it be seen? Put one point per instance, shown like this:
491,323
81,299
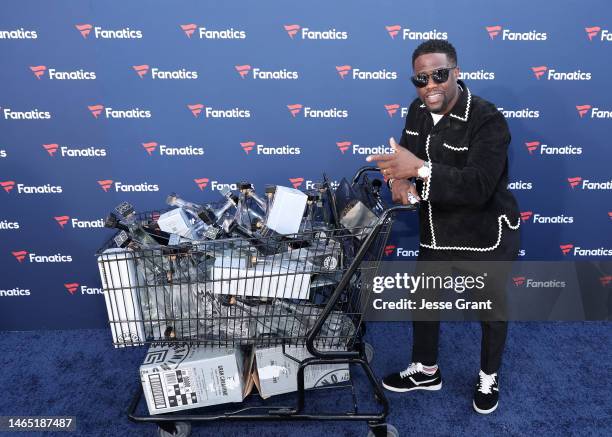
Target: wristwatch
424,171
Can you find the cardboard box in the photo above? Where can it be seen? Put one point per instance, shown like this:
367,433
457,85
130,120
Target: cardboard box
119,281
175,221
181,377
272,278
287,210
276,368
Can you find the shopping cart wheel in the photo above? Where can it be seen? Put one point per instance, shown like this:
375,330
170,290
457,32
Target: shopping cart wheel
369,352
379,431
174,429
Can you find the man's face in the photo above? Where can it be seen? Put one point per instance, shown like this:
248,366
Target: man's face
439,98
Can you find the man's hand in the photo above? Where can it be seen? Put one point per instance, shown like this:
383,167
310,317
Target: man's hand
402,164
400,189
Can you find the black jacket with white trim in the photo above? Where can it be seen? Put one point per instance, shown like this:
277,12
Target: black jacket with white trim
466,203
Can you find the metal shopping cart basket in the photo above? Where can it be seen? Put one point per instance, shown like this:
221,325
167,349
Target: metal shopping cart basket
305,292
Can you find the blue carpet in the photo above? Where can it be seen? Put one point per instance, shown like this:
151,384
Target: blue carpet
556,380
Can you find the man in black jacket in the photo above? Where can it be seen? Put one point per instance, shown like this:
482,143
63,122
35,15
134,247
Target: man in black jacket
455,144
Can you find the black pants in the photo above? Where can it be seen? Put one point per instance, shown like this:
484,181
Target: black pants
426,334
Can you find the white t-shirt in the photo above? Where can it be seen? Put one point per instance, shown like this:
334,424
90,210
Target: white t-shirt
436,117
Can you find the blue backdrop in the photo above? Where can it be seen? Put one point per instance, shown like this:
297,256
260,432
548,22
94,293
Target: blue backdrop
100,97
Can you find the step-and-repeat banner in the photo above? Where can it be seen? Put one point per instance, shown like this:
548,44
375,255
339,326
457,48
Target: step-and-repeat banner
106,101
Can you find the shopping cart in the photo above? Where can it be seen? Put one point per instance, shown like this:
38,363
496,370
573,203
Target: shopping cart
302,290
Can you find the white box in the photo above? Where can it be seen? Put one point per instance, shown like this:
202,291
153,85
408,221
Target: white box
175,221
181,377
287,210
277,371
271,278
119,281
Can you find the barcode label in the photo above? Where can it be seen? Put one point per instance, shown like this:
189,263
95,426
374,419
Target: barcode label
171,378
158,391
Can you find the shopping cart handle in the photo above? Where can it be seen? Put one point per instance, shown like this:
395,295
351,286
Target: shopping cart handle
363,170
396,209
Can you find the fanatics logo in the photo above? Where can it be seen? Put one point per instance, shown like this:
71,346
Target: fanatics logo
150,147
532,146
54,74
248,146
292,29
156,73
243,70
7,185
38,71
106,184
592,31
539,71
79,224
358,74
310,112
595,112
196,109
20,255
566,248
204,33
553,74
201,183
189,29
306,33
392,109
51,148
31,189
493,31
574,181
508,35
519,281
541,219
72,287
408,34
296,182
65,151
141,70
34,258
545,149
126,33
343,70
344,146
267,150
393,30
62,220
389,249
294,109
258,73
606,280
85,29
583,109
96,110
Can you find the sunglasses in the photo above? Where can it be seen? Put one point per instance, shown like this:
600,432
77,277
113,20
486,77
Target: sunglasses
439,76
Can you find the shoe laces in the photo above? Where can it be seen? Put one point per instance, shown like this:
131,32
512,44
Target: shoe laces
486,382
411,369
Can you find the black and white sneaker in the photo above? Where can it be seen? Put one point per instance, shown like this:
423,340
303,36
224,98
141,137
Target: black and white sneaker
415,377
486,396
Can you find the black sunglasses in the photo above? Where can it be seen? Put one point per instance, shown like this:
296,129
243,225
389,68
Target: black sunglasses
439,76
